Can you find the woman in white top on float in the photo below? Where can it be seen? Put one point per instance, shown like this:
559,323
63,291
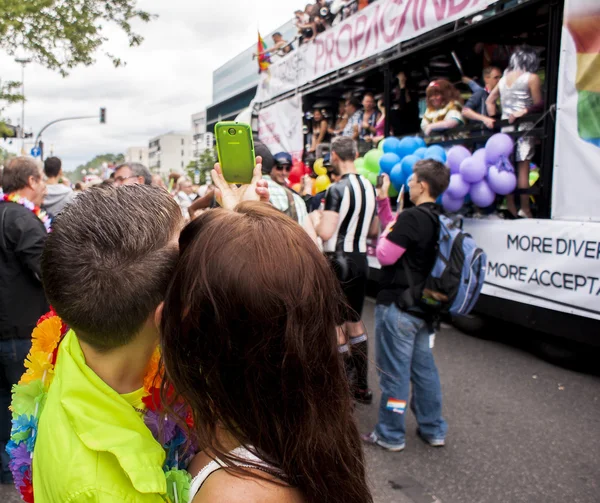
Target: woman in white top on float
250,344
520,92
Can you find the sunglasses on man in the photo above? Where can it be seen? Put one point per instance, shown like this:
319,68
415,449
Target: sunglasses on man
283,167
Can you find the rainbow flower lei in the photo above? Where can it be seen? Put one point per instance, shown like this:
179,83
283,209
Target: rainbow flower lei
36,210
29,397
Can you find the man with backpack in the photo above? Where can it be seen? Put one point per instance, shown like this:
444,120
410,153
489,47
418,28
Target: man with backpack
407,251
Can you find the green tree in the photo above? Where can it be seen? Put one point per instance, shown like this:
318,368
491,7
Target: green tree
94,164
61,34
203,165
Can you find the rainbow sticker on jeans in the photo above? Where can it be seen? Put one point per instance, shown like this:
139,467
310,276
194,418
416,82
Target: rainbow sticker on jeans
397,406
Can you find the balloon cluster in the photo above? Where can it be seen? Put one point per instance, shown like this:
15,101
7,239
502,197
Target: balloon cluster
396,158
481,176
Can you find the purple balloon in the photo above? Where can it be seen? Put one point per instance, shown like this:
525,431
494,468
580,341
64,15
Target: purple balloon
482,195
480,156
502,181
473,169
498,146
456,155
458,188
451,204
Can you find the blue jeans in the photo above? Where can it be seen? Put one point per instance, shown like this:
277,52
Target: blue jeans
12,356
404,355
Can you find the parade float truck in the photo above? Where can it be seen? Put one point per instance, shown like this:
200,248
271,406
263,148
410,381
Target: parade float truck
544,272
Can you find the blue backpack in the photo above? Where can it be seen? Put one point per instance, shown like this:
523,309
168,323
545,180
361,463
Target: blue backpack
458,274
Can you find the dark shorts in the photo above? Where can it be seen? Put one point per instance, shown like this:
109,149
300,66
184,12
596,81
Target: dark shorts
352,271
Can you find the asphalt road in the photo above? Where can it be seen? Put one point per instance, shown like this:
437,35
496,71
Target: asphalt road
520,431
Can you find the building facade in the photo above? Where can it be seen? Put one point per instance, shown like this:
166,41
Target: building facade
201,138
170,152
137,154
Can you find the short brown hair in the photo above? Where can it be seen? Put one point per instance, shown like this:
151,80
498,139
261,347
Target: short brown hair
17,172
435,174
52,167
344,147
107,263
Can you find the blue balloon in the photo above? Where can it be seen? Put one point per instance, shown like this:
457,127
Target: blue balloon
407,146
437,150
397,176
388,161
420,142
407,165
391,145
421,152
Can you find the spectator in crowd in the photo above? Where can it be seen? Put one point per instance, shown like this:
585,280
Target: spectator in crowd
444,106
404,116
275,171
248,333
320,130
280,46
58,194
520,92
23,233
368,120
324,11
184,196
354,122
380,125
340,121
80,187
320,24
131,174
344,225
173,179
158,181
305,24
407,251
475,108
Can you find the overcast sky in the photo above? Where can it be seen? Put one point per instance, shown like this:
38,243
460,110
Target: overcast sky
165,80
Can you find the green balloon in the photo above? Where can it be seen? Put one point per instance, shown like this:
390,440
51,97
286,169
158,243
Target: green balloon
359,163
372,177
393,192
380,145
372,160
363,171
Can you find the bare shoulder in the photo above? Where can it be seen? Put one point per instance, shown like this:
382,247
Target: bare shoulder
534,78
222,487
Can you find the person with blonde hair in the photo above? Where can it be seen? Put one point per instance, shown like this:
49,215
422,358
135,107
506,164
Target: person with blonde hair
444,107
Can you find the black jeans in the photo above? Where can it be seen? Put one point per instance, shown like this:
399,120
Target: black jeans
12,356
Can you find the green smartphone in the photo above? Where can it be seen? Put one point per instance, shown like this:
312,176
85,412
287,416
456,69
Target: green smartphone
235,149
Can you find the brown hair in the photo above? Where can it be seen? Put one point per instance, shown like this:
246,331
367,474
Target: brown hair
435,174
17,172
446,89
249,343
108,261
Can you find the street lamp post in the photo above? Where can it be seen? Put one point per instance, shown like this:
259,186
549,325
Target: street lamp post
23,62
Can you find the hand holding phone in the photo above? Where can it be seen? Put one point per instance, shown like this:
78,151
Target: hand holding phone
230,195
235,149
401,199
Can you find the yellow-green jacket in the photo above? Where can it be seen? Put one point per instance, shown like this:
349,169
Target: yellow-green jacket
92,446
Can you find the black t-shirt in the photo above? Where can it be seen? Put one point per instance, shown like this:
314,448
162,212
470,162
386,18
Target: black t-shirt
417,232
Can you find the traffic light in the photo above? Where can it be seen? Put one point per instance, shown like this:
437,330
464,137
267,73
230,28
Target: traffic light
103,115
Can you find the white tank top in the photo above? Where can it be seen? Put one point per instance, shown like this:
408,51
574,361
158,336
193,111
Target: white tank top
242,453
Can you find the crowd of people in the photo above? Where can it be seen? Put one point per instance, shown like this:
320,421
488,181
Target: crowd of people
506,95
261,360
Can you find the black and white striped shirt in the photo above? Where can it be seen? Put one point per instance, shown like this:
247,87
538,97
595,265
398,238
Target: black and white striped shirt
354,198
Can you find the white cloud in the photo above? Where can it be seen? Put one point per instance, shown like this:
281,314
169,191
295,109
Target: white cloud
165,80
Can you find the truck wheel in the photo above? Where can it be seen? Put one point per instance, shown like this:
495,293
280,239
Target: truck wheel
470,324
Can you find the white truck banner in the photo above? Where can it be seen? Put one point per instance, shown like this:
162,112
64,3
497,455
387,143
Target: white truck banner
280,127
549,264
576,184
374,29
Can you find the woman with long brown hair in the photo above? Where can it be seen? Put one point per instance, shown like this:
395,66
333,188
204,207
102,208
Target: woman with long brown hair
249,342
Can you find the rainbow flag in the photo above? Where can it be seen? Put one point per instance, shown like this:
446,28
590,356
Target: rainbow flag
264,59
583,27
